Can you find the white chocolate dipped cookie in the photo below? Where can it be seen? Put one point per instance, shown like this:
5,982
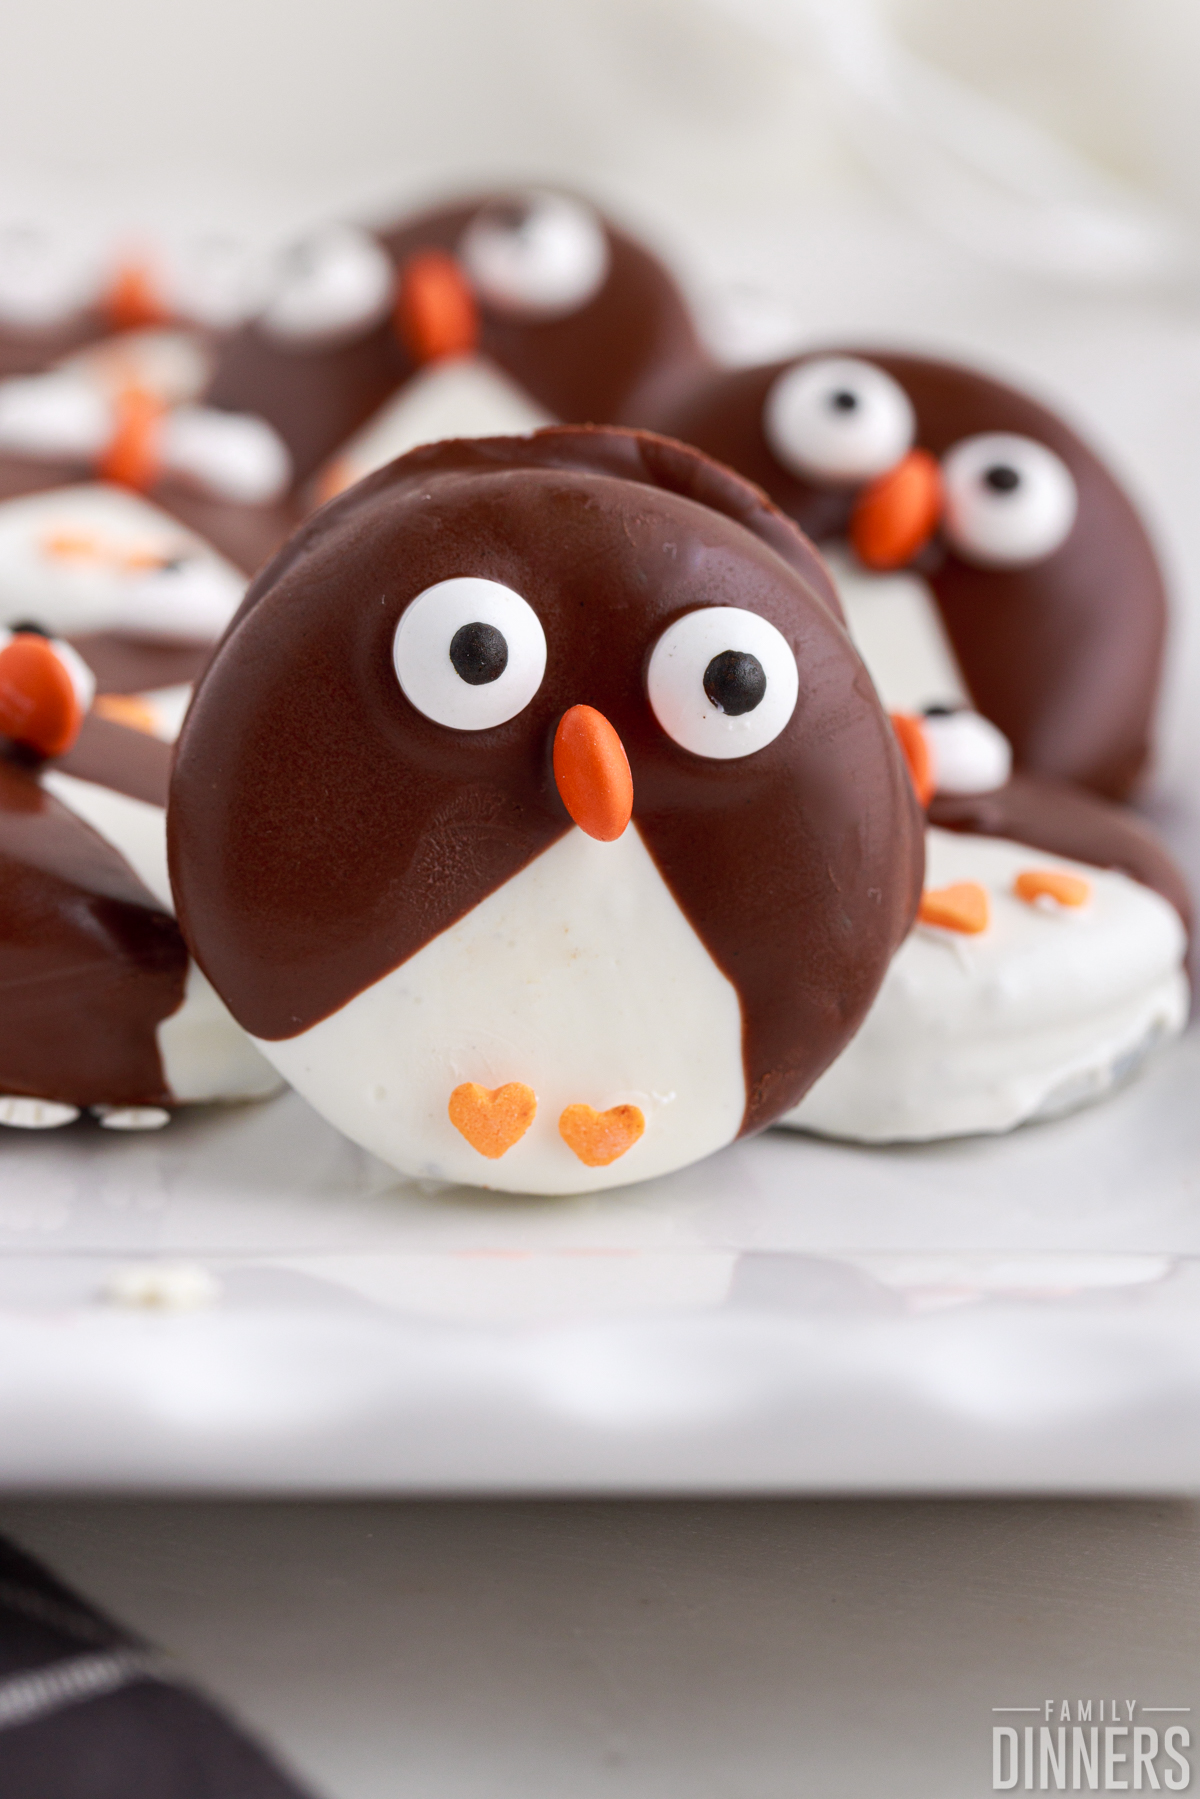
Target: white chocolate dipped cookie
1046,1007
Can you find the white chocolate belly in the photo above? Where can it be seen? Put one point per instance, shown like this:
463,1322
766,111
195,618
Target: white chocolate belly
898,631
1043,1012
580,978
465,396
99,558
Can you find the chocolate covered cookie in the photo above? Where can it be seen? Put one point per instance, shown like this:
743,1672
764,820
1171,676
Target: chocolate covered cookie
1046,964
100,1007
559,307
537,817
1029,587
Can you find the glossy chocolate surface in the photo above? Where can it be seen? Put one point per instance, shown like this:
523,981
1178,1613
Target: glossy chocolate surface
128,664
112,755
90,963
315,394
28,352
607,361
1065,656
603,362
322,830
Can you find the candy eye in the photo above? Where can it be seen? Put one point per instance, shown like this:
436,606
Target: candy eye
469,654
969,754
338,281
1008,500
540,255
838,420
722,682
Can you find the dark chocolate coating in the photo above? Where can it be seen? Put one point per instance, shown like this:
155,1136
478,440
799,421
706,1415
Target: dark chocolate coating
28,352
1063,820
608,361
315,395
113,755
322,830
600,364
1066,655
90,962
126,664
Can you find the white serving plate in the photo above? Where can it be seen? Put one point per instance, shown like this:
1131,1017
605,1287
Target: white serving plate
1017,1314
1010,1315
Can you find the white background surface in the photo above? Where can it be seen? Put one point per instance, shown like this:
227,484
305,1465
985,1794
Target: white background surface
724,1650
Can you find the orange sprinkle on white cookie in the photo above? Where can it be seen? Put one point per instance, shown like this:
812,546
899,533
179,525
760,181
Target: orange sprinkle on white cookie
599,1138
492,1120
963,906
1034,884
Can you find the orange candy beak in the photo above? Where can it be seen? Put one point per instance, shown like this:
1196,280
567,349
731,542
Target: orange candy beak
38,703
592,773
131,458
897,514
436,314
133,300
915,747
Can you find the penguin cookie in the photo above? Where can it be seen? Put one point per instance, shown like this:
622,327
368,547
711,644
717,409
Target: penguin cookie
62,288
1046,964
139,596
536,816
101,1007
502,313
123,412
993,559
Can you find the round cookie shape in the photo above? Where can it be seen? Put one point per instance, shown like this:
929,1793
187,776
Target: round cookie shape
1046,1008
91,965
1056,616
101,1006
329,838
586,321
620,330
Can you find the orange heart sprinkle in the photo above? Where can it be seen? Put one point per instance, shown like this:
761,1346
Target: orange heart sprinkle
492,1121
598,1138
1033,884
960,907
126,709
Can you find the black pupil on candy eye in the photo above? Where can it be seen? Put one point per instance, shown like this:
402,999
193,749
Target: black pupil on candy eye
479,654
1002,479
843,400
735,682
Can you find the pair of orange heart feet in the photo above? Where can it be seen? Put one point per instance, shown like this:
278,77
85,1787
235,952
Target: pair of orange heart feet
492,1120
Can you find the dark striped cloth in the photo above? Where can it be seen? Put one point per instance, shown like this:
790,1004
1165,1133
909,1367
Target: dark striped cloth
89,1712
